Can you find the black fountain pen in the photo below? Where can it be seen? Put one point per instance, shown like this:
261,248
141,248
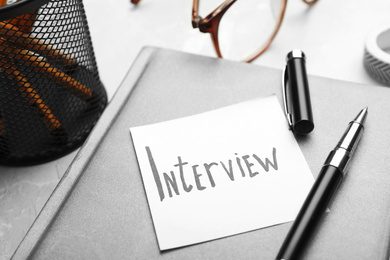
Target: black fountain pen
316,203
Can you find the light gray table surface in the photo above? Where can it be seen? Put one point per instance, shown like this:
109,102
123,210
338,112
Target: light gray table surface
332,34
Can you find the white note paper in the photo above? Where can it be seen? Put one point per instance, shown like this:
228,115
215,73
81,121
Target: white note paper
221,173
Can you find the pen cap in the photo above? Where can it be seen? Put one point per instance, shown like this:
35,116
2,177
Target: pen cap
297,94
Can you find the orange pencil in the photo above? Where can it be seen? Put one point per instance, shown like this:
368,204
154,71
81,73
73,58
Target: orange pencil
38,64
30,94
3,145
14,36
2,126
25,22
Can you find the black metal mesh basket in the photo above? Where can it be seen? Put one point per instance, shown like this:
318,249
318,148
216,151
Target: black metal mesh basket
50,92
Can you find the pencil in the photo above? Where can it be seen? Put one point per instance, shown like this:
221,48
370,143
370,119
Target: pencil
25,22
16,37
38,64
2,126
30,94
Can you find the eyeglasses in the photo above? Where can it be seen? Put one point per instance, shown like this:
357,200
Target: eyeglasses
246,31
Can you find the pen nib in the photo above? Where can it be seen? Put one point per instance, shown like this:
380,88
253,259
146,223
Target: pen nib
361,117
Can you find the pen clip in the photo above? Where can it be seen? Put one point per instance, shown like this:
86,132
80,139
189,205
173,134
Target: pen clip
284,93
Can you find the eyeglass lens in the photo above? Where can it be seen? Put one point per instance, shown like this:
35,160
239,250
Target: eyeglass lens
246,28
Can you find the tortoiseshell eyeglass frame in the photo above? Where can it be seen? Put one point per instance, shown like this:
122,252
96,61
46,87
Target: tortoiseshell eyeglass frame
210,23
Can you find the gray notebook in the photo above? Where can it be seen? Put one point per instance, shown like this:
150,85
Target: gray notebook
99,209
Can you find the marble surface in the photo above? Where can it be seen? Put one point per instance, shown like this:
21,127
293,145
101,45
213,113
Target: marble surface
332,35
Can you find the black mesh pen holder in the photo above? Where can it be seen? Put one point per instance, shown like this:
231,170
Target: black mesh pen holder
50,92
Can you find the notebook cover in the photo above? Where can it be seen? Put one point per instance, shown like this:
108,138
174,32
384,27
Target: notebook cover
99,209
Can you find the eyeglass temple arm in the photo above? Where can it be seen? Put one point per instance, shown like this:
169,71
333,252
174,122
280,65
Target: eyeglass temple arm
218,12
195,7
195,17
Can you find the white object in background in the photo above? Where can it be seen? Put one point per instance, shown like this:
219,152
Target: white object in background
377,54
